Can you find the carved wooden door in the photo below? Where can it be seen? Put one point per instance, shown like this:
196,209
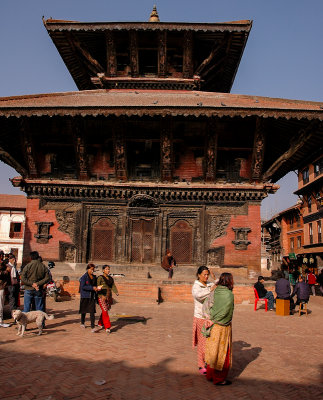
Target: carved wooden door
143,240
102,240
181,242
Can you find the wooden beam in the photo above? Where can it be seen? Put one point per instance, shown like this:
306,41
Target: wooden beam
120,159
111,68
218,47
166,149
29,152
6,134
8,159
258,150
162,54
211,151
134,63
187,55
91,63
297,143
80,149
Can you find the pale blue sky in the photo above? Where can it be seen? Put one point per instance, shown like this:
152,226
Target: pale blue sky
283,56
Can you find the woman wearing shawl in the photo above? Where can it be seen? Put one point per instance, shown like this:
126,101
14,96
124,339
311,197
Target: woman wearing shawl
218,349
200,291
88,289
105,297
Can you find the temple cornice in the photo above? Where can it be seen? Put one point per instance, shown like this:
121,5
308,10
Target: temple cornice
178,193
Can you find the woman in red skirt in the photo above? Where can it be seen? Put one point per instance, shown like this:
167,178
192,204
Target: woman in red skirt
105,297
200,291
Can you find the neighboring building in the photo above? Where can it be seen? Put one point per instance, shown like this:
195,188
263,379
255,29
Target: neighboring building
12,224
286,235
153,152
310,188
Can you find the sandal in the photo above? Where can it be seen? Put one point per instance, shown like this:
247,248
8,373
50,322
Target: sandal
224,383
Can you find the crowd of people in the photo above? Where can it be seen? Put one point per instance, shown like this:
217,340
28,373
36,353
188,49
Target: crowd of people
213,303
290,285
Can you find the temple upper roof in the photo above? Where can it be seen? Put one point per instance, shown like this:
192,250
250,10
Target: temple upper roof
293,128
151,55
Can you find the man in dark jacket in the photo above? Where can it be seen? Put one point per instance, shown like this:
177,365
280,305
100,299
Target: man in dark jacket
263,293
282,289
301,290
34,276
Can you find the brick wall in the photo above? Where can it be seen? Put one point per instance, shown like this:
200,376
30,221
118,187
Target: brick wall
251,256
189,167
137,292
50,250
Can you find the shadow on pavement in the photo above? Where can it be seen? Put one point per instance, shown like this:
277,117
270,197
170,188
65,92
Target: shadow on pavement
88,378
244,354
128,320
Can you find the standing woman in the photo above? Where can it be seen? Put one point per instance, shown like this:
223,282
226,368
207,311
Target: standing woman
218,349
200,291
88,289
106,282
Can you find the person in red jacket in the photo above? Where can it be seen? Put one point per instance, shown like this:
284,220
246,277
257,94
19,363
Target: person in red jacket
311,280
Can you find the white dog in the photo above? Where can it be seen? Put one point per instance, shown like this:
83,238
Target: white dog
23,319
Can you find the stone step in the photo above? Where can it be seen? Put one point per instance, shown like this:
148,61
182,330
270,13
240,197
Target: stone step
69,271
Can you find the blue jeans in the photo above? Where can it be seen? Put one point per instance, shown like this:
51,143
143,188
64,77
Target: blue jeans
270,297
37,296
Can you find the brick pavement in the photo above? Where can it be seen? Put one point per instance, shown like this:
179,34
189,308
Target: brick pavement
150,357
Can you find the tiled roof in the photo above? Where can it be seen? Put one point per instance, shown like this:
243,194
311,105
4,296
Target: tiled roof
231,26
150,102
13,201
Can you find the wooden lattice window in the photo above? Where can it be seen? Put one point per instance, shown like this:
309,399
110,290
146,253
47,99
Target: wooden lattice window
181,242
103,240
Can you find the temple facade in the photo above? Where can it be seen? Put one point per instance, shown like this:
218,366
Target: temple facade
152,152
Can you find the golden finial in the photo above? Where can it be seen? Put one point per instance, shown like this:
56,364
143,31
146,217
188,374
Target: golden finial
154,15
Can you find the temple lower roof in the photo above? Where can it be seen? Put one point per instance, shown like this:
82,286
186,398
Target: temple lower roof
163,103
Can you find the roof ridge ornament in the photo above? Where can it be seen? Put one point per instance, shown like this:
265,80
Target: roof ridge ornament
154,17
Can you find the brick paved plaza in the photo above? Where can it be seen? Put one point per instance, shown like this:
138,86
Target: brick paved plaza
150,357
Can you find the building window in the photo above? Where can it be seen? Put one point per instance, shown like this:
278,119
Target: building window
311,233
299,242
318,167
319,232
306,176
309,203
291,222
292,245
15,230
298,220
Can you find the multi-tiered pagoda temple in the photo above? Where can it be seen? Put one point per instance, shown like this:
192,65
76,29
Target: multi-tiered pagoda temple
152,152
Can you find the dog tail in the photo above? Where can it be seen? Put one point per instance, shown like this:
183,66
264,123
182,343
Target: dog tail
49,316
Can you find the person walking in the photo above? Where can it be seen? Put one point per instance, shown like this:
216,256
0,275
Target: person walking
14,287
200,291
311,280
34,276
320,281
218,349
88,290
106,282
4,283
